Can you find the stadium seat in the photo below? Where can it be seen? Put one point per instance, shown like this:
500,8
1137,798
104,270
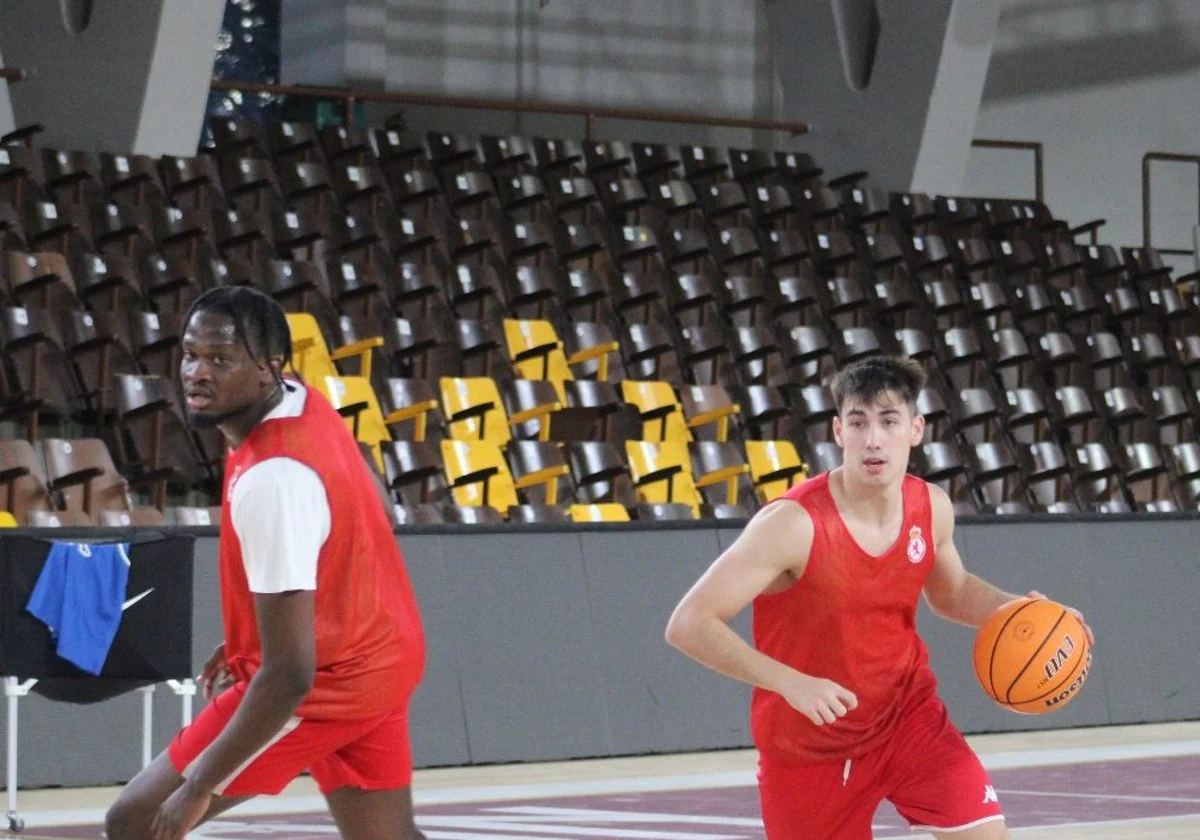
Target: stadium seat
355,400
24,481
775,466
478,474
599,512
474,410
662,472
662,415
537,353
720,466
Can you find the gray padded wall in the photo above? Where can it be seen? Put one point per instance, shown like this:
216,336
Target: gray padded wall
548,644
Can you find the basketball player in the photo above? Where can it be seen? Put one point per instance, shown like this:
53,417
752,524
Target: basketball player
845,711
323,640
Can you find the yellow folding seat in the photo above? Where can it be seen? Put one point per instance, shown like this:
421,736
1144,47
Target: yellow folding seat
662,472
537,353
774,467
474,410
355,399
608,512
7,520
478,474
311,357
662,415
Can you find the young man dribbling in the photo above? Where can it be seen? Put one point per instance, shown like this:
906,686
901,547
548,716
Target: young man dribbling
845,711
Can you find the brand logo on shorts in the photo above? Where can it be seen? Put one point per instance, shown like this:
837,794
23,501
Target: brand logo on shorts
989,795
916,545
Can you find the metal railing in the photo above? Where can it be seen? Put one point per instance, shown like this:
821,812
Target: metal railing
1039,179
589,113
1148,159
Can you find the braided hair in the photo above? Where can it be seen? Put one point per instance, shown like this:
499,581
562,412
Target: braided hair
258,321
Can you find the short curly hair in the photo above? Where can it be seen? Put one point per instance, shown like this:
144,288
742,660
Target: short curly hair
868,379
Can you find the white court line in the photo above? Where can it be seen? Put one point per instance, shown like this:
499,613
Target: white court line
265,806
1021,831
1188,800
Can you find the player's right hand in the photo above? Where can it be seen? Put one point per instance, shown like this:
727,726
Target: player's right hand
820,700
216,675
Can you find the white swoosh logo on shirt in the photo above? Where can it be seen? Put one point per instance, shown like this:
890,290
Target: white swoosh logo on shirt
135,599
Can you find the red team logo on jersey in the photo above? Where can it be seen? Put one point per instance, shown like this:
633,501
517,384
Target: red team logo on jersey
916,545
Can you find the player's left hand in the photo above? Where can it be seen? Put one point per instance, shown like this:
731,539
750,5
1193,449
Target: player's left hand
180,813
1088,630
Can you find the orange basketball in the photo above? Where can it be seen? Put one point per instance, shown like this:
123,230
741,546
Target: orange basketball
1032,656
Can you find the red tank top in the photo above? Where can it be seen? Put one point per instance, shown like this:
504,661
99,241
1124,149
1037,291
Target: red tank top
370,646
850,618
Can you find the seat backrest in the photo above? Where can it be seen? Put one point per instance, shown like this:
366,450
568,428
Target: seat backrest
478,474
662,415
775,466
663,472
606,512
310,353
83,471
474,410
537,353
355,399
24,485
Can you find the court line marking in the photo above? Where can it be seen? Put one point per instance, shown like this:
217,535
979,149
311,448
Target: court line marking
649,784
1188,800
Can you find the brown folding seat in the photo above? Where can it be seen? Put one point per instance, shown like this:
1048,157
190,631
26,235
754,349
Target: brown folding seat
934,407
941,463
649,353
12,231
453,152
808,354
21,175
540,472
675,205
532,292
470,515
59,519
1173,417
307,185
977,417
132,178
421,348
704,164
36,380
414,472
192,181
821,457
795,299
154,339
71,176
662,511
962,357
1047,475
418,514
155,444
799,167
506,155
726,205
600,473
524,198
537,513
533,244
1097,475
23,481
194,517
294,141
83,472
39,279
347,145
237,138
1009,356
574,199
1026,417
60,228
1144,470
995,474
251,184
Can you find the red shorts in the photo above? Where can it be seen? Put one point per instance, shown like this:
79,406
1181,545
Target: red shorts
371,754
927,770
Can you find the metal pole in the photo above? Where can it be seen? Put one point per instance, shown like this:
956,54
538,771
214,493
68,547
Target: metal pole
147,724
1146,200
11,692
1039,174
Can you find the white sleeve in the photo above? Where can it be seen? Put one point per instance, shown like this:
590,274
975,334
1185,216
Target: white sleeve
281,517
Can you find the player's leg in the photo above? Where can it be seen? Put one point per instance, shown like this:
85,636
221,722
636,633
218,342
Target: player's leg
937,782
367,781
373,814
137,804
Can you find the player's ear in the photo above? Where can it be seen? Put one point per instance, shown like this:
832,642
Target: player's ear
837,429
918,430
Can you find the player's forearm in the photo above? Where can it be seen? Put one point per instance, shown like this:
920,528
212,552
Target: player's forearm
270,701
975,600
712,643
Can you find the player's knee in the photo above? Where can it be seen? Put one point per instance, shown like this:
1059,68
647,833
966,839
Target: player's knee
126,820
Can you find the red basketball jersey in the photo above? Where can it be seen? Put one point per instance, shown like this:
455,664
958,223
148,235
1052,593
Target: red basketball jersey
370,646
850,618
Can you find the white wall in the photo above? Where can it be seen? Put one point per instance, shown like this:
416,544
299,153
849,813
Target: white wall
7,123
1099,82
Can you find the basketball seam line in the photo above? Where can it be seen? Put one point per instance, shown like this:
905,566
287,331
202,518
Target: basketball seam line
1041,644
1070,678
995,641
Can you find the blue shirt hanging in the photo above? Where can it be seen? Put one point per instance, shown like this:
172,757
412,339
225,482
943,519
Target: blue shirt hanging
79,596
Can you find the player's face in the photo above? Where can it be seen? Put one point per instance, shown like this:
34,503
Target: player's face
220,379
876,438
